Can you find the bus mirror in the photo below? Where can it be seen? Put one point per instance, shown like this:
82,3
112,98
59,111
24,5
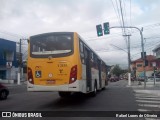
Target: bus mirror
28,41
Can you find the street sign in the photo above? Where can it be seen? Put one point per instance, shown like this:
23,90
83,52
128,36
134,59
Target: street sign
8,64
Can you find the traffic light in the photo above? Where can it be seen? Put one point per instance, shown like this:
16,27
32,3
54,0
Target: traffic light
106,28
142,55
155,69
99,30
146,62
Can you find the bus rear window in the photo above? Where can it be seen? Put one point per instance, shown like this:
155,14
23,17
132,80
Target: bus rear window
55,45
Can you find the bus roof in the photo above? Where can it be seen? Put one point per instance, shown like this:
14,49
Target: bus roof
59,33
90,48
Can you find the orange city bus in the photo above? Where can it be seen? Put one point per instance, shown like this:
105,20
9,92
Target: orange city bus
63,62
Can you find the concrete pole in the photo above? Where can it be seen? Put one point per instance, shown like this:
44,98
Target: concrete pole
143,57
20,62
18,78
129,60
154,79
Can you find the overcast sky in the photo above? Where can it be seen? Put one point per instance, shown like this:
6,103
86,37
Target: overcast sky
23,18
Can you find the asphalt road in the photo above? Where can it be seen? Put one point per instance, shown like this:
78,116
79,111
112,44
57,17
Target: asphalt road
116,97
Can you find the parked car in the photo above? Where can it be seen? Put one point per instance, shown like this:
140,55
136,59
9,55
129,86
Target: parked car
141,78
4,92
116,78
112,79
151,79
133,78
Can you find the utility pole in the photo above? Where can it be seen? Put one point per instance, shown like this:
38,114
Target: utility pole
142,45
143,56
20,63
129,61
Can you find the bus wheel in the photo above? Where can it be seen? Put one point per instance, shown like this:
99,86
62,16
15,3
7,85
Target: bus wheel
103,88
3,95
64,94
93,94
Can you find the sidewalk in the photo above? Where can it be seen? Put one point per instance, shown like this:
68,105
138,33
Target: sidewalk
150,88
14,84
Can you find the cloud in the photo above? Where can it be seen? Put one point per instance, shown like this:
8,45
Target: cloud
30,17
53,15
145,12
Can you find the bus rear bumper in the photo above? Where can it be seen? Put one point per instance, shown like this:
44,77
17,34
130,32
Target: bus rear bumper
77,86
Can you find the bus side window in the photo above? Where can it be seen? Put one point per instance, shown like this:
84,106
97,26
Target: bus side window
92,60
81,47
82,52
92,57
85,54
95,62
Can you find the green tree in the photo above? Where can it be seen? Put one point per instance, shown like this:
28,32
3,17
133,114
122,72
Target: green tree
117,70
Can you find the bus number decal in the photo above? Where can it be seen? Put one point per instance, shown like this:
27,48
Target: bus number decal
62,65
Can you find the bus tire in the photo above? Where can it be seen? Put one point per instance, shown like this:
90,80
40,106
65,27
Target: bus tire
103,88
3,95
93,94
64,94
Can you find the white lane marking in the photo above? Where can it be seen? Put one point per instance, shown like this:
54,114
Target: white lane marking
153,92
147,101
143,110
148,98
149,105
151,118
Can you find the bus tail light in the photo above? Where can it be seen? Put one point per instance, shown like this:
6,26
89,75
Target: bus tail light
30,75
73,74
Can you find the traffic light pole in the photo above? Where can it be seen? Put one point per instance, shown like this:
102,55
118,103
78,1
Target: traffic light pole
154,76
20,75
142,45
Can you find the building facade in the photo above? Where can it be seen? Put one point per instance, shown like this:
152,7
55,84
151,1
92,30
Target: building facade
8,60
157,51
138,69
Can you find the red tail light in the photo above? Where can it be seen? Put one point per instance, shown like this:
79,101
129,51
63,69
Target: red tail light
73,74
30,75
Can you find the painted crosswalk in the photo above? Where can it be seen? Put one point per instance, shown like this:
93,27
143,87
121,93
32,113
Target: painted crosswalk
148,100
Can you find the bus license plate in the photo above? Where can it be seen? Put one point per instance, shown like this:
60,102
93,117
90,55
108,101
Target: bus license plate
50,82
